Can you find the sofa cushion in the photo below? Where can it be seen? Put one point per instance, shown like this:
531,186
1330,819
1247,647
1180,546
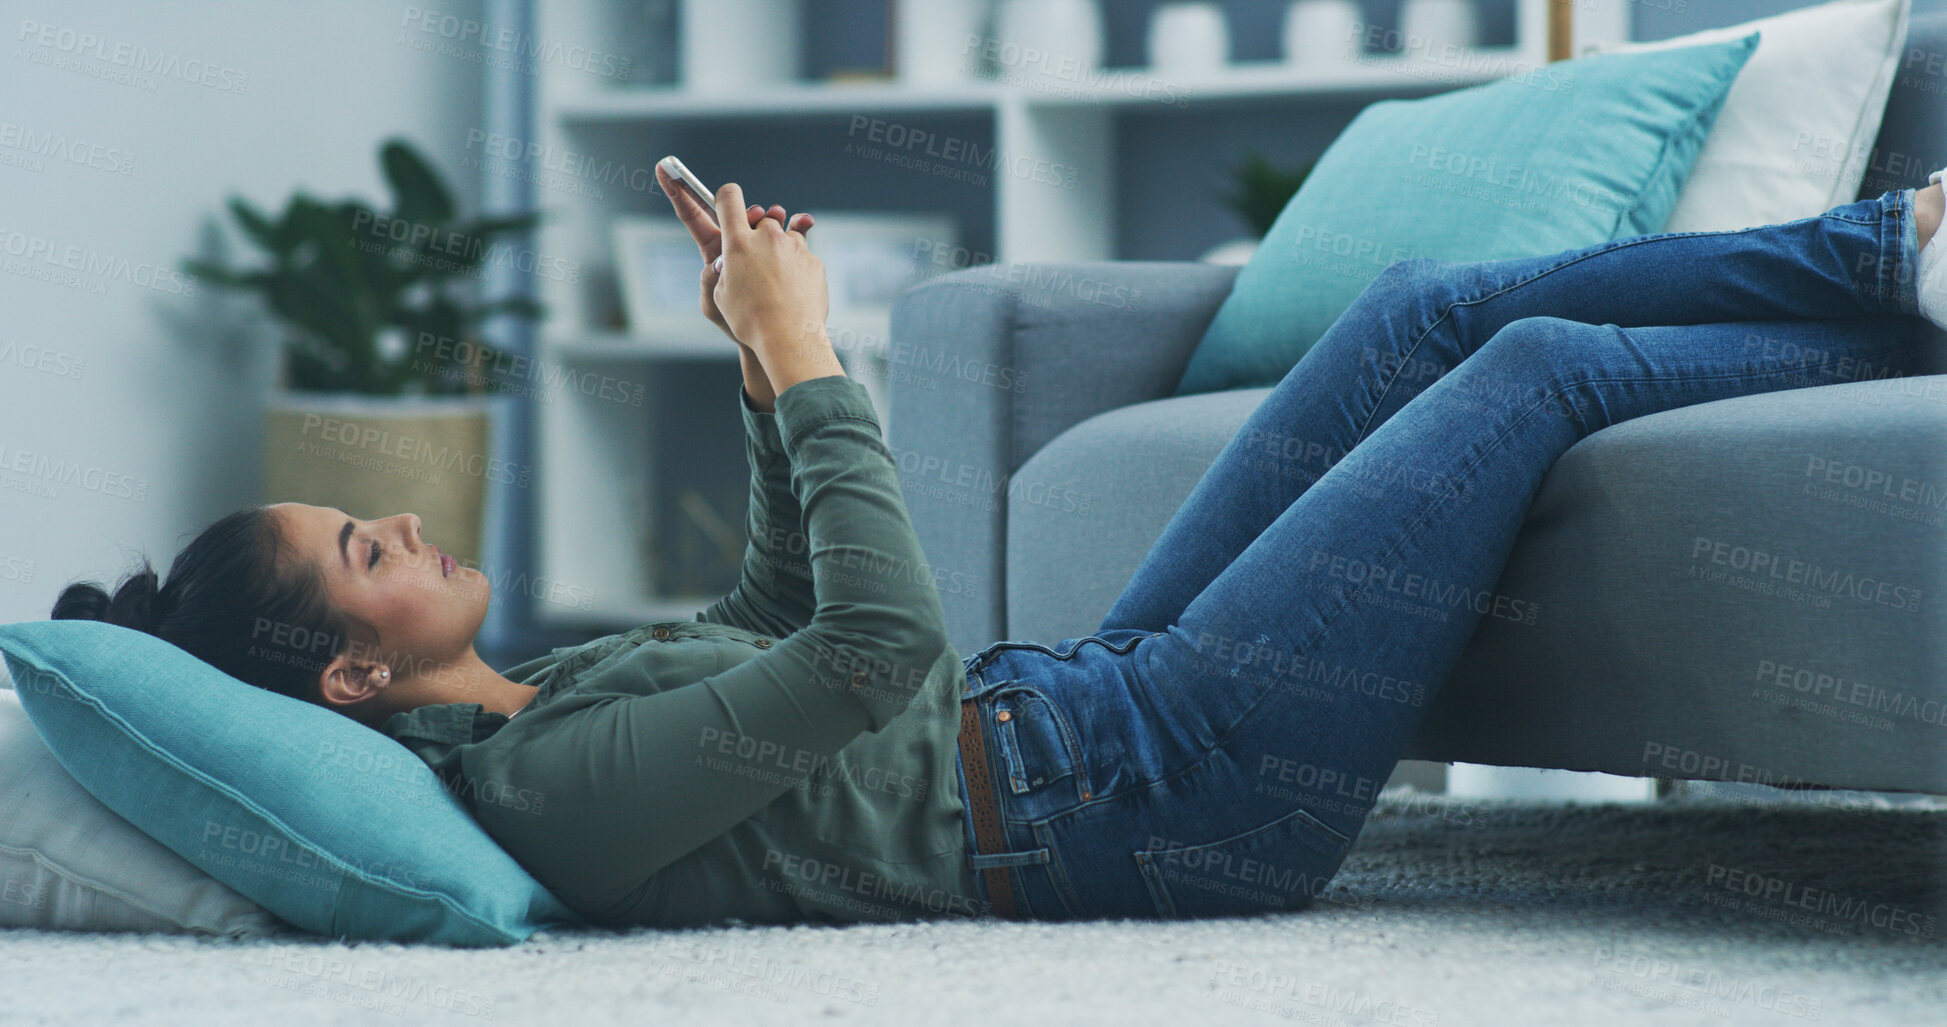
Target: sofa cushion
1559,157
1648,657
1798,125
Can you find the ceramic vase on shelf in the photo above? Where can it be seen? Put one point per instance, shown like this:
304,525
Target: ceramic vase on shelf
1432,26
938,42
1189,39
1322,32
739,45
1048,45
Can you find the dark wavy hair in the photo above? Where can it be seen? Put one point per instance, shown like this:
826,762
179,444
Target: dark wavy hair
238,598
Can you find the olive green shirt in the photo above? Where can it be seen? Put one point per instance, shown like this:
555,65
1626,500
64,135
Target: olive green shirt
790,754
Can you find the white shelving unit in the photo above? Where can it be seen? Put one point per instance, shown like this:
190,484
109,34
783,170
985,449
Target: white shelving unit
597,471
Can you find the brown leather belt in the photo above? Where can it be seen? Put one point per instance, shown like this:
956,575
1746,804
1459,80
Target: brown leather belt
986,812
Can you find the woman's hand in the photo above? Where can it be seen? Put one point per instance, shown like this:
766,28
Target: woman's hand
709,243
709,240
771,293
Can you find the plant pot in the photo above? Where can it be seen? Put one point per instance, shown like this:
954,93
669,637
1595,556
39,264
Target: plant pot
375,456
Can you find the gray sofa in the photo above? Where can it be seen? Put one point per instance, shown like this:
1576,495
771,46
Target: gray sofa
1041,452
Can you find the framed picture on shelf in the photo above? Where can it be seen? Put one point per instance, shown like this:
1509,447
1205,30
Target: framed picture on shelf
656,266
872,256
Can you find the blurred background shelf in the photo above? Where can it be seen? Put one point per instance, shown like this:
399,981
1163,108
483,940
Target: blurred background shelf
1250,81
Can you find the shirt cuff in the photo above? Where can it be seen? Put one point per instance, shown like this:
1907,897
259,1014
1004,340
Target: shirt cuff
759,425
814,401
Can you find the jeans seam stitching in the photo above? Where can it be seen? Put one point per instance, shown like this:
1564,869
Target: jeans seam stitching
1708,377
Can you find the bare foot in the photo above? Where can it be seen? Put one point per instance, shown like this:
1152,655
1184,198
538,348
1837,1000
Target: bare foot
1928,205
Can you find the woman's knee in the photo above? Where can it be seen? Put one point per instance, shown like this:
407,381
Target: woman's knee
1396,306
1408,279
1543,361
1421,290
1544,343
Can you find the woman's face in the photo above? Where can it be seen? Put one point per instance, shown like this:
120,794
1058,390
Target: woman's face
426,606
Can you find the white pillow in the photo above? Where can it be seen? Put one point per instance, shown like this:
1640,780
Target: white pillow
1797,129
68,863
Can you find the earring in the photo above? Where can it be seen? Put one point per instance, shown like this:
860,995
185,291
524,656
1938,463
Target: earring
385,672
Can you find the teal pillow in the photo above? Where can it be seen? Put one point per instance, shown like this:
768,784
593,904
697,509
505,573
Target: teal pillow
324,822
1558,157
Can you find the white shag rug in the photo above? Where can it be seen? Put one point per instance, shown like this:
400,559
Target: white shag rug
1448,912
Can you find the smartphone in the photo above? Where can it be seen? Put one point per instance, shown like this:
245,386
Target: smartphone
703,194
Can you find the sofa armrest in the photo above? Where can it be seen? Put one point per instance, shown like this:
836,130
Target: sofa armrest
987,364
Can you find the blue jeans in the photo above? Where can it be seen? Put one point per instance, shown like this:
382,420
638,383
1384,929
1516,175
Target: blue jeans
1214,748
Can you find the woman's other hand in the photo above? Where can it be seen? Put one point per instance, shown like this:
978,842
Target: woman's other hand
771,293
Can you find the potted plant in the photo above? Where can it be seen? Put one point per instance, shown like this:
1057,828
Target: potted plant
383,405
1260,194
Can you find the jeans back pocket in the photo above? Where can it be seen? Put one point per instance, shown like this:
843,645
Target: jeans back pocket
1279,866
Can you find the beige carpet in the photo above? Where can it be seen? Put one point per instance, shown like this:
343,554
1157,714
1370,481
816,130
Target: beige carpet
1447,913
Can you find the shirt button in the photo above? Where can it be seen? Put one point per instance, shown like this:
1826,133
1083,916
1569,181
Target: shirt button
763,643
661,632
858,680
1003,716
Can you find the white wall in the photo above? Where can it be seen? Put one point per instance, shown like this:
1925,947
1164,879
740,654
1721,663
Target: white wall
155,394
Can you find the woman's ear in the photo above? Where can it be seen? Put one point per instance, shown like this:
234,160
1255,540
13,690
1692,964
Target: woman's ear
346,681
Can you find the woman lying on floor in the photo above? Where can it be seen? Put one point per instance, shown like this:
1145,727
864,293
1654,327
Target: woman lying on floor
811,747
